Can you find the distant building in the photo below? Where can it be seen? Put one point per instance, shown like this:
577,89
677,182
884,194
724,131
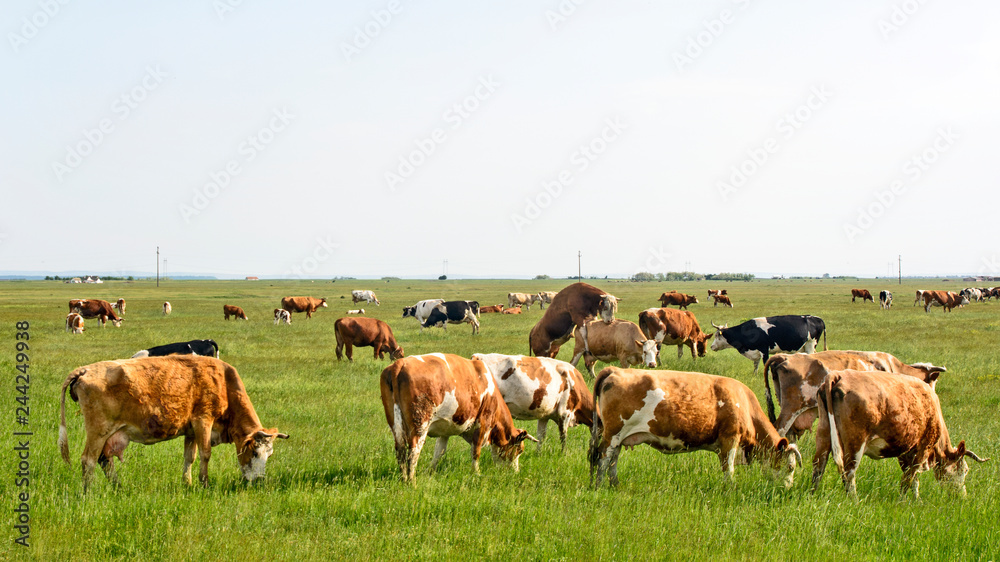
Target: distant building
94,279
74,280
253,279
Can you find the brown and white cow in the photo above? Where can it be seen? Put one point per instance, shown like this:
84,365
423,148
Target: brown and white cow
679,412
234,311
723,299
514,310
364,332
282,315
863,294
946,299
919,298
543,389
679,299
119,306
489,309
798,376
882,416
522,299
167,309
441,395
714,292
356,311
620,341
155,399
545,297
96,308
74,323
302,304
674,327
571,309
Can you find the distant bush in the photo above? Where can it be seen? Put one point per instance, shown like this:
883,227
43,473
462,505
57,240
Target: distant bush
542,277
442,278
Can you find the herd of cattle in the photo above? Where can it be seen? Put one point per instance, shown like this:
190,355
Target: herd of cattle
866,403
946,299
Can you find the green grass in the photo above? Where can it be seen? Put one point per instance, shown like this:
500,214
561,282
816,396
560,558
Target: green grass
333,492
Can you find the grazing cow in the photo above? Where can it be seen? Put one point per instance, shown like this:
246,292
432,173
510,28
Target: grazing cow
515,310
74,323
679,299
946,299
673,327
571,308
714,292
885,299
234,311
723,299
758,338
797,377
356,311
545,297
167,308
119,306
439,395
863,294
883,416
96,308
919,298
303,304
364,296
421,310
452,312
620,340
972,294
281,315
159,398
543,389
525,299
364,332
205,348
490,309
679,412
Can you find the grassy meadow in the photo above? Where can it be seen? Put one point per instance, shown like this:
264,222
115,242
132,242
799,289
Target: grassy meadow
332,490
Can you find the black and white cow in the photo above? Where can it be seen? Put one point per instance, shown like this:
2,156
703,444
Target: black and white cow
885,299
758,338
205,348
421,310
452,312
475,307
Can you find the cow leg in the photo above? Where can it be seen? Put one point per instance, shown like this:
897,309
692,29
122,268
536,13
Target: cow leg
349,351
727,457
190,447
911,469
851,463
439,449
575,361
563,425
582,328
822,454
590,361
108,466
543,425
611,465
203,440
415,446
340,346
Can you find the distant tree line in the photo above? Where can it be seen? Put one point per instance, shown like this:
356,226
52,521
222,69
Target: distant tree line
105,278
690,276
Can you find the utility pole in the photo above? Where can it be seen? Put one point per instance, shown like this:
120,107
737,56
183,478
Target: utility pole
157,266
579,270
899,269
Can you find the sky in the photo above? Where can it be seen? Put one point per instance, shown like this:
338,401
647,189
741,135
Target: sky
499,139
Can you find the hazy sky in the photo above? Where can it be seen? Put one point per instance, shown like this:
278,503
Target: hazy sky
382,138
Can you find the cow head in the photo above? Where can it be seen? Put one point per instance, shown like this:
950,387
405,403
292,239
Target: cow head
509,451
322,303
720,342
608,308
649,352
952,469
254,452
409,311
784,459
117,322
701,343
396,353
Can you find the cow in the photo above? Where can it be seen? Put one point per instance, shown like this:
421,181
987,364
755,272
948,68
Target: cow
119,306
679,299
946,299
515,310
972,294
620,340
919,298
364,296
885,300
714,292
452,312
205,348
303,304
491,309
474,305
525,299
356,311
543,389
545,297
167,308
882,416
421,310
234,311
679,412
74,323
571,308
96,308
439,395
723,299
160,398
797,377
673,327
758,338
863,294
282,315
364,332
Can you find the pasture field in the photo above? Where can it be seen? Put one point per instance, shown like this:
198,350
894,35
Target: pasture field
332,490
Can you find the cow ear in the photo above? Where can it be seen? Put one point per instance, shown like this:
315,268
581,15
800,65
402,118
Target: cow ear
960,451
638,343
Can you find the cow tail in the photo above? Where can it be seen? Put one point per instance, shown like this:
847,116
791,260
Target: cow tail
768,366
216,346
337,334
826,403
597,430
63,436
